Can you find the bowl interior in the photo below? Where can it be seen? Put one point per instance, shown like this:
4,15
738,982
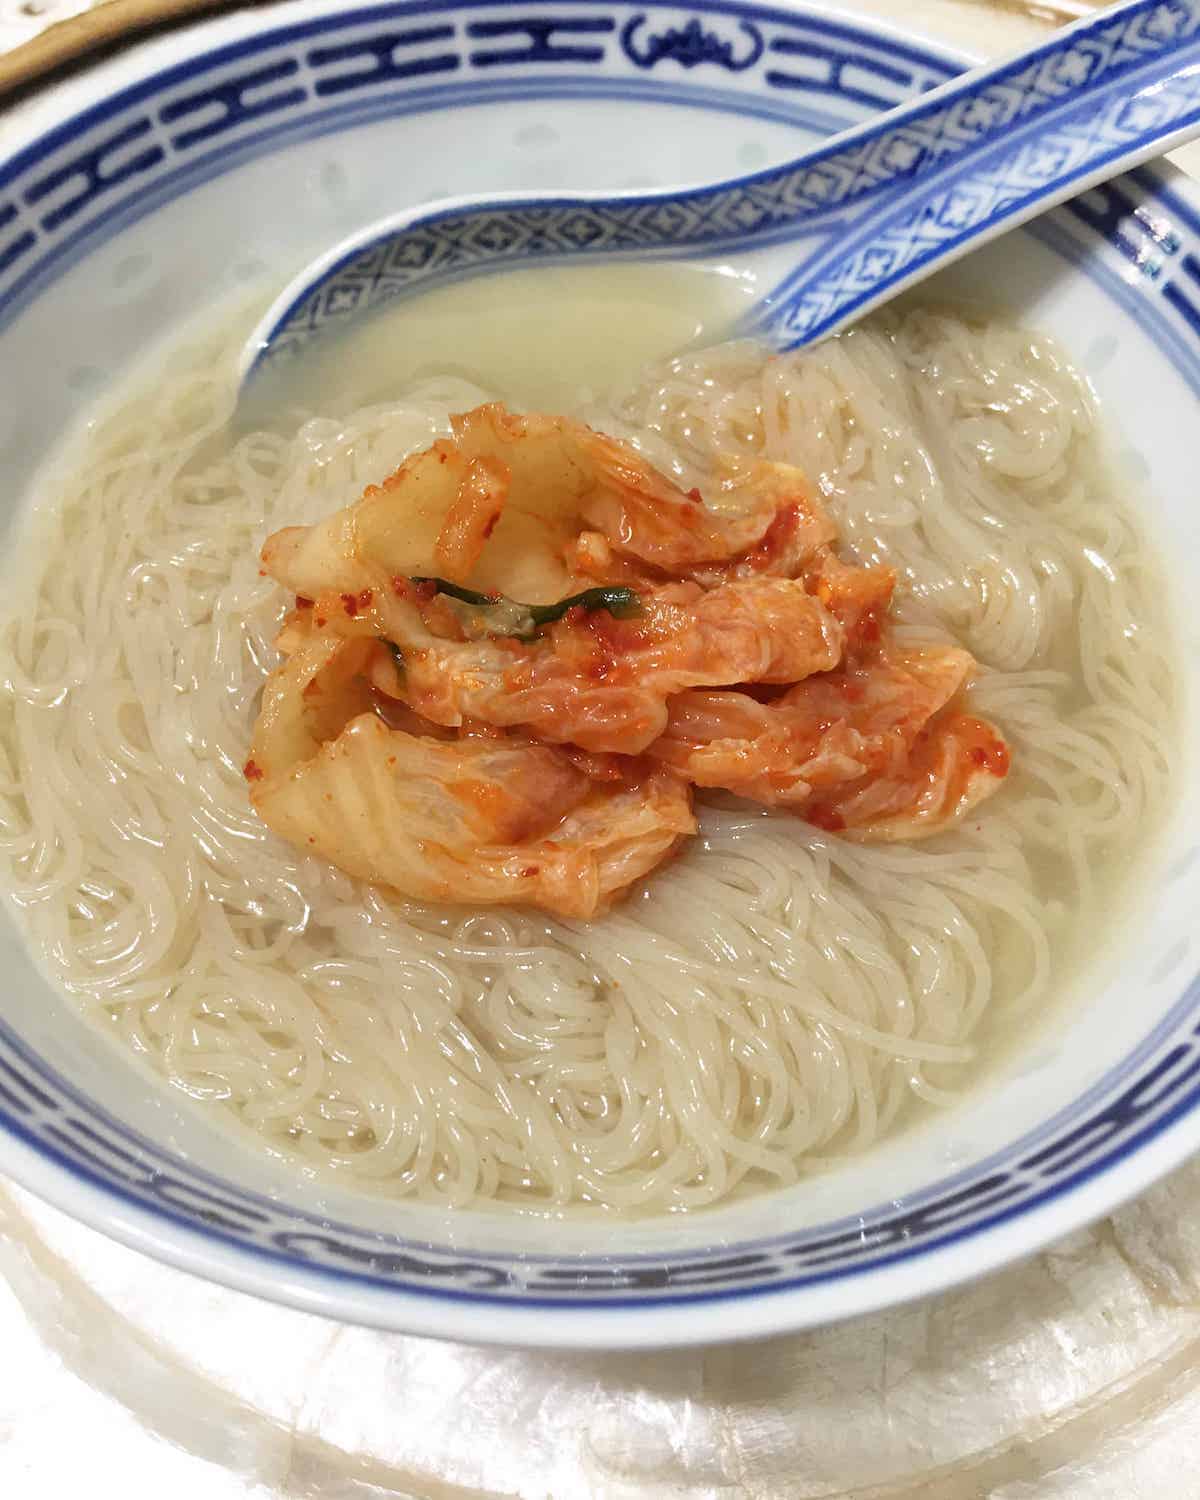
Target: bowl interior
215,162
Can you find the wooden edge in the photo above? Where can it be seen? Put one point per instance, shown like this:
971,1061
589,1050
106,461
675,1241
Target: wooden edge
96,34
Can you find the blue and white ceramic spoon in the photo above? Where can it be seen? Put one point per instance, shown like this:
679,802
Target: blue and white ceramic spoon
838,230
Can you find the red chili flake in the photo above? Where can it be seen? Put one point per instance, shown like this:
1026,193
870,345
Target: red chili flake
868,628
776,538
576,615
319,622
529,872
694,495
252,771
424,591
303,602
826,818
262,572
352,603
994,756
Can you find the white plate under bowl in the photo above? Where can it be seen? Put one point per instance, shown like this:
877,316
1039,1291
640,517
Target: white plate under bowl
230,152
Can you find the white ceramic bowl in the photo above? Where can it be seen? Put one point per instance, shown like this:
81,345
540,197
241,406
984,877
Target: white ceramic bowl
232,150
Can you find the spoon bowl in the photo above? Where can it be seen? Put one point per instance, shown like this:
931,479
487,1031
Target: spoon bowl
834,232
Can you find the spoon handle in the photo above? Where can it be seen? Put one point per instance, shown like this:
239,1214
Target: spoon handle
919,187
854,220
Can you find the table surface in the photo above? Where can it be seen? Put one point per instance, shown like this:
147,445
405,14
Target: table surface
1075,1376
